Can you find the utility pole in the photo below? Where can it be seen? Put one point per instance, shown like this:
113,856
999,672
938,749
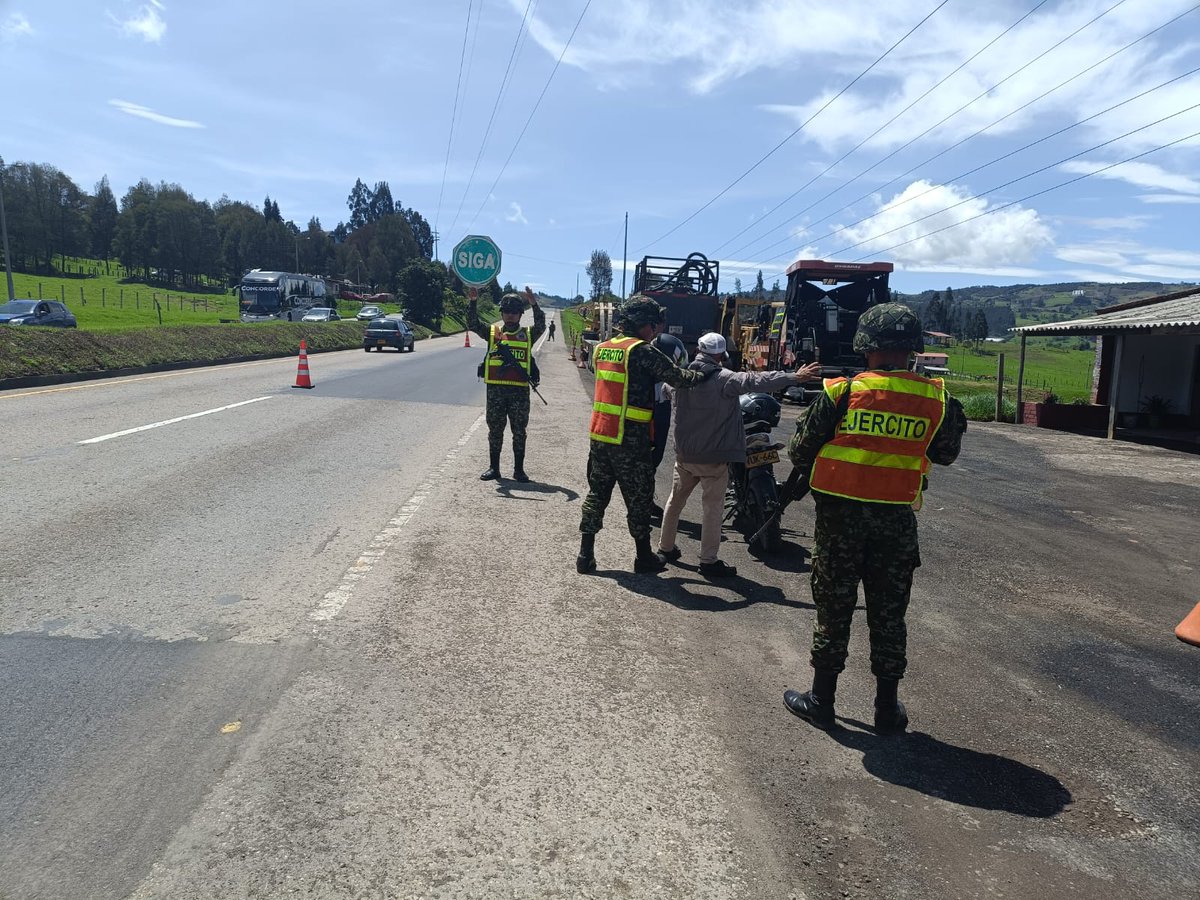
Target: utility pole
624,254
576,285
296,240
4,228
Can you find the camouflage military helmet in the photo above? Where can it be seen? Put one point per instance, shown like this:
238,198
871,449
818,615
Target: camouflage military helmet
512,303
889,326
637,311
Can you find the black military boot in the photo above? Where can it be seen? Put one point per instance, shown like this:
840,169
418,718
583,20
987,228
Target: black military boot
586,560
890,715
493,472
519,468
816,705
647,562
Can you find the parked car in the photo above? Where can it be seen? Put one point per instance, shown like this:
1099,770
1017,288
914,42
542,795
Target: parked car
37,312
321,314
389,332
367,313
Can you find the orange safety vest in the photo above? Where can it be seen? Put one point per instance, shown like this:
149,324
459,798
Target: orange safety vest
877,454
610,407
496,370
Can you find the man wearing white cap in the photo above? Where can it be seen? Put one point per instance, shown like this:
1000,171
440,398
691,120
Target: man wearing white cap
708,436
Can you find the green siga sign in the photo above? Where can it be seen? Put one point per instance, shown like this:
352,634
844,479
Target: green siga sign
476,260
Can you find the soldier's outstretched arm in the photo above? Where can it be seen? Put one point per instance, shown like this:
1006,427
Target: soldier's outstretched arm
539,315
658,364
473,321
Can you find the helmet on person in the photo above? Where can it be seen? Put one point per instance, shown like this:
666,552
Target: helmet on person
512,303
889,326
637,311
760,408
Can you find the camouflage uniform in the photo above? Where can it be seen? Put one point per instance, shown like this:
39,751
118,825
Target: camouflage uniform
506,403
875,543
630,464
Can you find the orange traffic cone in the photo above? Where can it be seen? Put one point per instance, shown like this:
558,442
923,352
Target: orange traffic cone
467,338
302,378
1188,630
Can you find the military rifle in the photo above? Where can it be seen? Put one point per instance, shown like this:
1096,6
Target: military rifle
795,488
509,359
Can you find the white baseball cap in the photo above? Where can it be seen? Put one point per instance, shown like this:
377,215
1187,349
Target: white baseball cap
712,343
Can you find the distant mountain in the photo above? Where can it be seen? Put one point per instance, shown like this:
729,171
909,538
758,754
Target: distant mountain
1006,306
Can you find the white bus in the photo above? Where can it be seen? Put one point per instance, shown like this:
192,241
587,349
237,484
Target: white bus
266,296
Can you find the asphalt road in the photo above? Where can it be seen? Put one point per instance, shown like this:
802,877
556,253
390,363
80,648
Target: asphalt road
296,648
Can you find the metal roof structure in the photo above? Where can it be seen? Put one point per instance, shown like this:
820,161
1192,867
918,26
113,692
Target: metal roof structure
1177,313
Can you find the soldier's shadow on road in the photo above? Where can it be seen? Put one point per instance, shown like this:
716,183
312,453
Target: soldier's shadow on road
680,583
514,490
956,774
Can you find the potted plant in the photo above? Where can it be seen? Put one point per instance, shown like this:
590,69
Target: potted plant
1155,407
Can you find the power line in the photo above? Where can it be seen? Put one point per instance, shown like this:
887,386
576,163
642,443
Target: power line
453,115
504,81
873,134
532,113
970,137
907,200
1001,187
1063,184
801,127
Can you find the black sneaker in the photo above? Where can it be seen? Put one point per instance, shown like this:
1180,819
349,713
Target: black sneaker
585,564
809,708
670,556
717,569
648,565
891,720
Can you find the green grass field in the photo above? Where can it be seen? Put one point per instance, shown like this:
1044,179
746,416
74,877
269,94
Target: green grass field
1067,373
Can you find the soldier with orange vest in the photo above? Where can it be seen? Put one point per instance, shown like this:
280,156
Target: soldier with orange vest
627,367
867,443
508,385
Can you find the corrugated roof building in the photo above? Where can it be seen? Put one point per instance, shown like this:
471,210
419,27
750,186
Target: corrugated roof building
1148,361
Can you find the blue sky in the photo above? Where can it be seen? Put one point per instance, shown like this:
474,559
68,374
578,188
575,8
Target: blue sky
657,108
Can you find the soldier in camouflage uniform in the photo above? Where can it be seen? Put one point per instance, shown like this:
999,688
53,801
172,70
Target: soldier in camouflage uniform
508,403
866,529
624,456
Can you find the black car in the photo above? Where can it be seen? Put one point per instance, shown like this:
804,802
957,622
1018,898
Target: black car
37,312
389,332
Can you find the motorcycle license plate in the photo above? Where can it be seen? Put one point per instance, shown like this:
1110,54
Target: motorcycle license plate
762,458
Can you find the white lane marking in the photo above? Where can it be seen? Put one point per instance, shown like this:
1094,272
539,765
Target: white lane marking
335,601
207,412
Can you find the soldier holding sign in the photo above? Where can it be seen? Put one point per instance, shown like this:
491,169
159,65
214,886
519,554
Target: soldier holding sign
508,384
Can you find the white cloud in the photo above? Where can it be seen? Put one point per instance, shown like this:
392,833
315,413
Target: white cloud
1008,237
1168,198
147,23
1110,223
1092,256
515,214
14,26
144,112
1141,174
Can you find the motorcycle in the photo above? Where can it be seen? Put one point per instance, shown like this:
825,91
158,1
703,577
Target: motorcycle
753,491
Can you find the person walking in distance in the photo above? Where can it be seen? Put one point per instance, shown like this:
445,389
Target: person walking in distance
867,442
626,367
508,384
672,348
550,334
709,436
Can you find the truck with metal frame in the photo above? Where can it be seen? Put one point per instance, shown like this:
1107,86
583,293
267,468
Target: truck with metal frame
815,322
687,288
